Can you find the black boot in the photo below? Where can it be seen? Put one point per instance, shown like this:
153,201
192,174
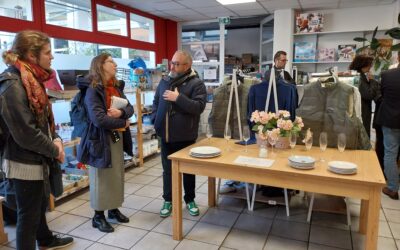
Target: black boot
116,214
99,221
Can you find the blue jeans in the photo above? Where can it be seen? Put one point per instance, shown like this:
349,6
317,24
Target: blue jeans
391,142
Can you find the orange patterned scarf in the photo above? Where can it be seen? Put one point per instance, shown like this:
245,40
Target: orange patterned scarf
110,90
33,76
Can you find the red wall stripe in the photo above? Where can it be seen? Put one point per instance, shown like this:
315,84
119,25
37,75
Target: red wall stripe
165,30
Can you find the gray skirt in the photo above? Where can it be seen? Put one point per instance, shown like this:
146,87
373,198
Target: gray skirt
107,184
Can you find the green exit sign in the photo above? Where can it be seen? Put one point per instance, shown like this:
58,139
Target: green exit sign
224,20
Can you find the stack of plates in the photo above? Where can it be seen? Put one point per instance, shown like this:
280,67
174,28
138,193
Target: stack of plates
342,167
205,152
301,162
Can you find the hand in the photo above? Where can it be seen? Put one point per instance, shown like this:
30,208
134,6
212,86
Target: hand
127,123
61,153
171,95
114,113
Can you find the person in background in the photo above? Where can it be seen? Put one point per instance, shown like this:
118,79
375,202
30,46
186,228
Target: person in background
24,106
280,60
78,112
178,102
397,64
102,145
369,88
389,118
370,91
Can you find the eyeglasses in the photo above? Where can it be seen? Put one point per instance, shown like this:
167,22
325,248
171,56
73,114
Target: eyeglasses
110,61
176,64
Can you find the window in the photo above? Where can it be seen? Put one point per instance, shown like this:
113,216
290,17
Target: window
149,57
19,9
6,40
201,36
61,46
142,28
111,21
76,14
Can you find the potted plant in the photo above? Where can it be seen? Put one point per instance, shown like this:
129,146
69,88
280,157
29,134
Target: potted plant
379,49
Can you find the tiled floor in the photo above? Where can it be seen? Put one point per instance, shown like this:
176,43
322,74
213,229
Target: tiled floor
229,226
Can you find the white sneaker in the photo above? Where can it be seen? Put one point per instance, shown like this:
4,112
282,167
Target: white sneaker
227,189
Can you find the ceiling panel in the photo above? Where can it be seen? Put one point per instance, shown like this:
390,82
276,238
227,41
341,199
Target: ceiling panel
169,6
272,5
257,12
197,3
245,6
193,10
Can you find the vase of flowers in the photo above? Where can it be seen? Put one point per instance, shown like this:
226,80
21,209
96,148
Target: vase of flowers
275,126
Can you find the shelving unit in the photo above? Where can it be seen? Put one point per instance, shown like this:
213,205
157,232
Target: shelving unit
266,43
330,39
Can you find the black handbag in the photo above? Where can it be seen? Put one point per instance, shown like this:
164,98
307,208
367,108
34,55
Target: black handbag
55,178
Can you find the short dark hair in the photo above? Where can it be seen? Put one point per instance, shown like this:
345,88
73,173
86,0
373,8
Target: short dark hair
279,53
361,61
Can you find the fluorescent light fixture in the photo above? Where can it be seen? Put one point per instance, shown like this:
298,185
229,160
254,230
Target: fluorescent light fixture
227,2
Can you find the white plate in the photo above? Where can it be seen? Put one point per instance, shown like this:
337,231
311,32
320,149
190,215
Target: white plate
205,150
204,156
294,165
342,165
341,171
302,159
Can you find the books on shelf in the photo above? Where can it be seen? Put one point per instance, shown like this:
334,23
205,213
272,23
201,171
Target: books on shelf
326,55
309,22
304,52
346,52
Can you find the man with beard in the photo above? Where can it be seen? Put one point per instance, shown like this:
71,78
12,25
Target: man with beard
179,100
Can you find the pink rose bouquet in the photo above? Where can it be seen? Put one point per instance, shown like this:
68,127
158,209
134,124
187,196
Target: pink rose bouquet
275,124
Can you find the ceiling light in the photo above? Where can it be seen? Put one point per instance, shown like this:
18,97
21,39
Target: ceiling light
227,2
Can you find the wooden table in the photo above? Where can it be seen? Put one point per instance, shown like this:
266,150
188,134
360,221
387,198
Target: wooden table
365,185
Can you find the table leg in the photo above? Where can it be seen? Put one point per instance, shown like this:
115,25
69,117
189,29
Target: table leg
371,237
211,192
363,216
51,203
176,201
3,235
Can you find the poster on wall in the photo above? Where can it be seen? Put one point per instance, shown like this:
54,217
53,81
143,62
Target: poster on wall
309,22
346,52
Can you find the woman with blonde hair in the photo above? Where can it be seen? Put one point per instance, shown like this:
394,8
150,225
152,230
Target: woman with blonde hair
102,145
27,121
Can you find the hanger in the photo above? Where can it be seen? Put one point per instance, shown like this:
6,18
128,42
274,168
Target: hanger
329,77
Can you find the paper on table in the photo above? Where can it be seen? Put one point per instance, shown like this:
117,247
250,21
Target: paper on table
118,103
259,162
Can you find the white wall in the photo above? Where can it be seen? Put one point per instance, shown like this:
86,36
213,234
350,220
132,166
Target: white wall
241,41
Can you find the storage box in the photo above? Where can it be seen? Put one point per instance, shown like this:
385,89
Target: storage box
304,52
309,22
247,58
230,60
326,55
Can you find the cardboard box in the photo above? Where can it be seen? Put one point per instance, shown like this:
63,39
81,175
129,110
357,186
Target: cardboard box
247,58
230,60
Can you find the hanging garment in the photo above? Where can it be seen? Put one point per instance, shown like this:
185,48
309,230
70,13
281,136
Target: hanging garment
219,109
330,108
287,99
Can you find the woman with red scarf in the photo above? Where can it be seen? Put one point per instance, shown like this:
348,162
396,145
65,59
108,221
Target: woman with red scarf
27,120
102,144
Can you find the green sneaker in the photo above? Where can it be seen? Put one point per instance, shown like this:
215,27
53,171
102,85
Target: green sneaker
193,209
166,209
